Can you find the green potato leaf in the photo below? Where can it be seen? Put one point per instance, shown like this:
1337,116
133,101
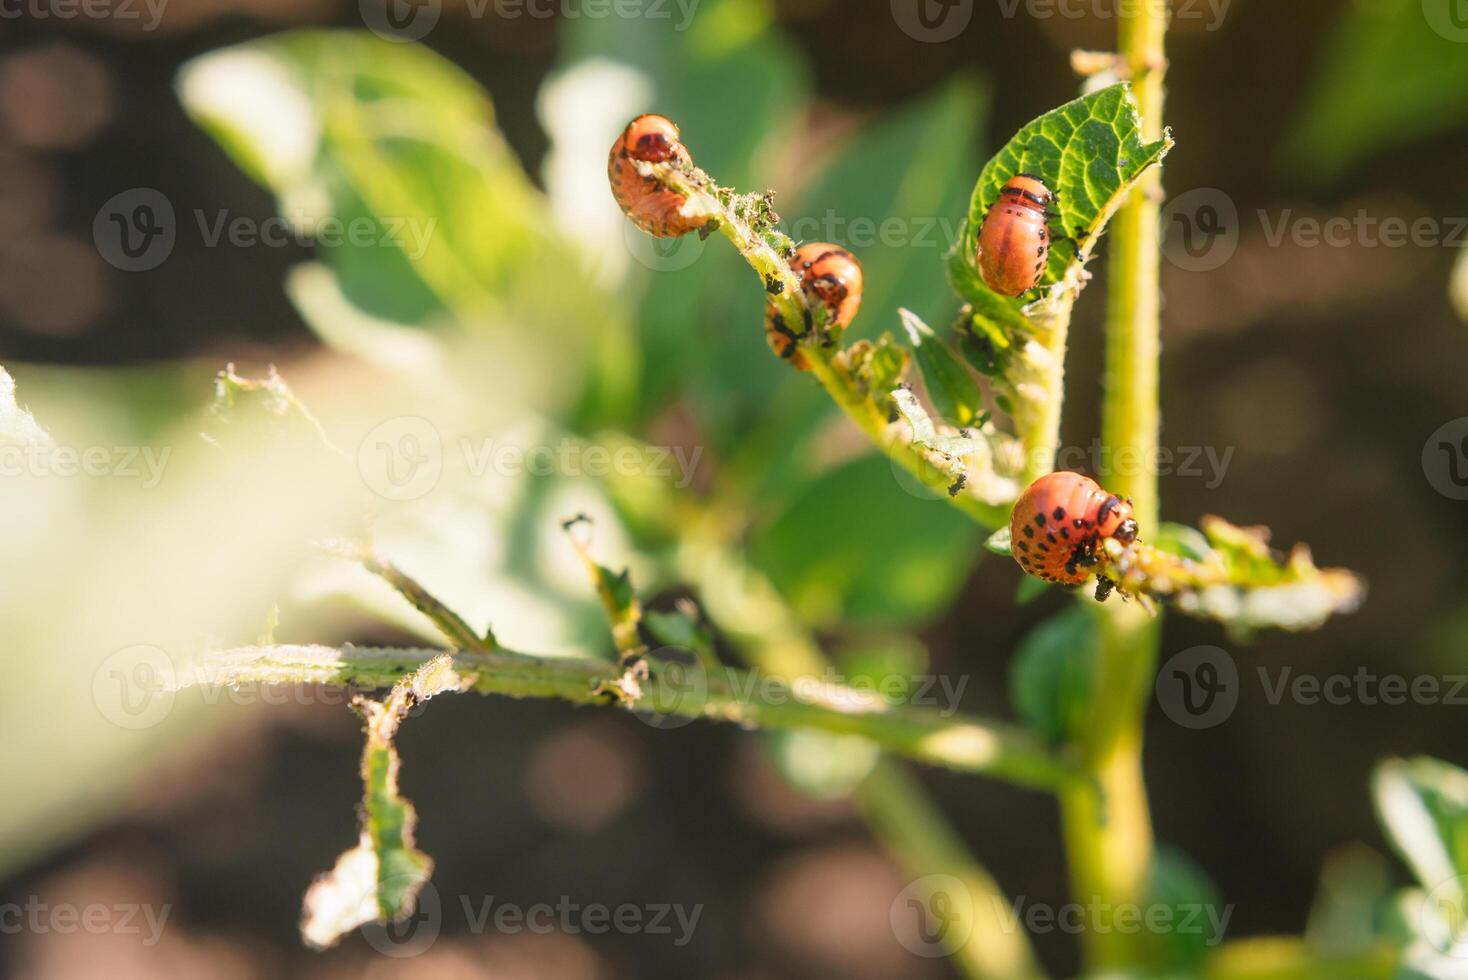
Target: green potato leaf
1090,153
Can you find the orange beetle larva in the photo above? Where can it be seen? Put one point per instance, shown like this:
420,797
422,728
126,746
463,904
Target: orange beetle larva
1059,521
1013,241
831,277
651,206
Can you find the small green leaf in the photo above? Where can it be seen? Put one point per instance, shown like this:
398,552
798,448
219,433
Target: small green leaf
1345,918
878,367
1181,540
953,389
1198,913
379,879
1090,153
998,542
1050,681
618,599
1422,804
683,628
1231,574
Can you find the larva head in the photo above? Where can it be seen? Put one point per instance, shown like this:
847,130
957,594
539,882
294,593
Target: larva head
1114,519
1027,191
651,138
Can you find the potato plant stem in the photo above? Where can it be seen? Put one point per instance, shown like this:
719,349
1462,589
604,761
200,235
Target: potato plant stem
1107,828
1042,434
962,743
863,411
898,809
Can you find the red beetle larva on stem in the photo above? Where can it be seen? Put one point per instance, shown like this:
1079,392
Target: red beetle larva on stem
831,278
1059,523
1014,243
651,206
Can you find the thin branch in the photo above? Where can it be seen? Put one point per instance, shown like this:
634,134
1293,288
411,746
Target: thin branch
961,743
458,632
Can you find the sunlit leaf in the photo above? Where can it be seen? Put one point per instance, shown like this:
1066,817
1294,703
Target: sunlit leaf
952,388
1089,152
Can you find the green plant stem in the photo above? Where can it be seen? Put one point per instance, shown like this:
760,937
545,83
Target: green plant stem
862,410
1107,828
1289,958
965,744
750,611
449,623
917,834
788,300
1041,433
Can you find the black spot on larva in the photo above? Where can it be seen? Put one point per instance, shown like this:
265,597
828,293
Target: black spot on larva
1058,513
1022,546
1079,522
1029,531
1065,533
1050,537
1040,251
1039,520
